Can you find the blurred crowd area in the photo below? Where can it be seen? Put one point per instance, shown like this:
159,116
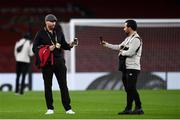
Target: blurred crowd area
18,17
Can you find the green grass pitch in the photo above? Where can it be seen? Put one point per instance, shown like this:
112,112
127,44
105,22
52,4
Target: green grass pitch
157,104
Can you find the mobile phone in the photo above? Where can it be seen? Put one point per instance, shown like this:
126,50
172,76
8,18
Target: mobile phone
75,42
101,39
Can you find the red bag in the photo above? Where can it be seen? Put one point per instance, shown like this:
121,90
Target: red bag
44,54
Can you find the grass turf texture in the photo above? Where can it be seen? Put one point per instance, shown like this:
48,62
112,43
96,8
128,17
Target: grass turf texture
90,105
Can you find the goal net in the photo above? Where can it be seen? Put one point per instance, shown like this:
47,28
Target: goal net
161,42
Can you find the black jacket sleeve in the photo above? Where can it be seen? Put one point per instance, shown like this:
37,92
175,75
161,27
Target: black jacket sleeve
64,44
36,43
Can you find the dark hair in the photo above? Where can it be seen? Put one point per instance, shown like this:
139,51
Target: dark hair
132,24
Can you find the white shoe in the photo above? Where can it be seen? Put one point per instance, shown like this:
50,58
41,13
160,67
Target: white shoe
49,111
70,112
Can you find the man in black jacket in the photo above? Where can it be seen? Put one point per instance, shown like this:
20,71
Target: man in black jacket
53,36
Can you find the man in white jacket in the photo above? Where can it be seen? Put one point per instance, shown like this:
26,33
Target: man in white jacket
129,64
22,57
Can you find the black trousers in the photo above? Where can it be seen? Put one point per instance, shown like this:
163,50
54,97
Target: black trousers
129,78
21,70
60,70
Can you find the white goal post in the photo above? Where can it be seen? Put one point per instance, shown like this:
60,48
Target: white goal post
107,23
116,23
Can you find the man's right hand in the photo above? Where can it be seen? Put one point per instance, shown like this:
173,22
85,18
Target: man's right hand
103,42
52,47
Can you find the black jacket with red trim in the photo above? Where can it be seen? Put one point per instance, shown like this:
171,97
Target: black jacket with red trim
42,38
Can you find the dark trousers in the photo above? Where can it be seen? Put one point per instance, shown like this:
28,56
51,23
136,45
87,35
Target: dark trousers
129,78
60,70
21,69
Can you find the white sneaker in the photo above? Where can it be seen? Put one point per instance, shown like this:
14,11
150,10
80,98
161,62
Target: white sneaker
49,111
70,112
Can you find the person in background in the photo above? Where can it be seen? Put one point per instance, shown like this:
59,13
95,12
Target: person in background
52,36
129,64
22,53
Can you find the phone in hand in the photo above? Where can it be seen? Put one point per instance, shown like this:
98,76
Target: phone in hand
75,42
101,39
